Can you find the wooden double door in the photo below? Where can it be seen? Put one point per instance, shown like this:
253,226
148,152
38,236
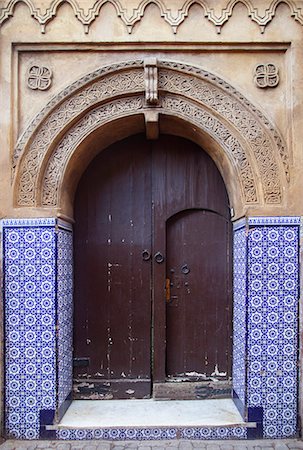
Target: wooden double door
152,269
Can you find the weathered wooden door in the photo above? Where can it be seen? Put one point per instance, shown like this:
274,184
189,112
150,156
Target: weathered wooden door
197,304
152,268
112,277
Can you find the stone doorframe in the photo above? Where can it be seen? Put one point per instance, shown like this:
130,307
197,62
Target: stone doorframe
50,156
112,102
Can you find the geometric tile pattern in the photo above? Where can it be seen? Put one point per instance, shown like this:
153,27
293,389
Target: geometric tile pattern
30,349
65,313
145,434
239,315
273,283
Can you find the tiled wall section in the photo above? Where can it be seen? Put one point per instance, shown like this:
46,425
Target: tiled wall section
30,348
38,300
239,317
273,283
38,278
65,313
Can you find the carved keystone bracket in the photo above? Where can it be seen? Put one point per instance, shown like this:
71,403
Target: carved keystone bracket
151,81
152,124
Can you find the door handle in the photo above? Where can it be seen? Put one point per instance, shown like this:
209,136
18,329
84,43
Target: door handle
159,258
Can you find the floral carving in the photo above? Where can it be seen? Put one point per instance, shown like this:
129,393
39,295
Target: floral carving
63,96
244,133
262,120
92,120
182,107
244,120
266,75
39,77
108,87
220,132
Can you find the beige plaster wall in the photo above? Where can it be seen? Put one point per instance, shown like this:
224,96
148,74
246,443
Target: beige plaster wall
119,31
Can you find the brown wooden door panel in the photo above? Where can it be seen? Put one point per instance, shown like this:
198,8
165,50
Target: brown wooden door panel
198,330
124,203
112,281
184,177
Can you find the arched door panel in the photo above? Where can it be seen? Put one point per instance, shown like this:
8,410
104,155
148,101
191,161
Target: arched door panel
198,328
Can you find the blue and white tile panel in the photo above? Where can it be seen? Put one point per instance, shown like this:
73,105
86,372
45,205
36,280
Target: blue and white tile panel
30,347
37,266
145,434
272,334
65,313
239,315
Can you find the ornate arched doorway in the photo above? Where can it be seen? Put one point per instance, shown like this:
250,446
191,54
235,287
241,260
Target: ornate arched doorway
152,240
97,110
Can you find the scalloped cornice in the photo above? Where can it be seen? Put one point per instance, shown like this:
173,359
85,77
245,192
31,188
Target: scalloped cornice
129,16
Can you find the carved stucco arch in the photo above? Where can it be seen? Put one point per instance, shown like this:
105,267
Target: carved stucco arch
254,153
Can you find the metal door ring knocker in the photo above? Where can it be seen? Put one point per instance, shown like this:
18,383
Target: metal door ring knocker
185,269
159,258
145,255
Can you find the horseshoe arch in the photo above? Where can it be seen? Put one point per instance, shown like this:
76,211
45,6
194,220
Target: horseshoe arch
108,104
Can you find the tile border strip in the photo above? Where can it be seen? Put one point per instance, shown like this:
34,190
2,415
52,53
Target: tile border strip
45,222
153,433
275,220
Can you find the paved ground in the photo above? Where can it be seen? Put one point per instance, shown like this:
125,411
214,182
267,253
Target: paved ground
153,445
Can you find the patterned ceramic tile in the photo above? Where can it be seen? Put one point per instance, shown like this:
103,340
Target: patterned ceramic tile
239,318
65,313
143,434
30,361
273,326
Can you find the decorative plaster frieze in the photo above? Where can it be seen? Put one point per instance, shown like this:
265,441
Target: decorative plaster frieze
250,129
250,141
62,99
54,173
263,120
208,122
86,12
91,121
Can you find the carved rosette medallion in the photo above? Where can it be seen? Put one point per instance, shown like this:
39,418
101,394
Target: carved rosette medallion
266,75
39,78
